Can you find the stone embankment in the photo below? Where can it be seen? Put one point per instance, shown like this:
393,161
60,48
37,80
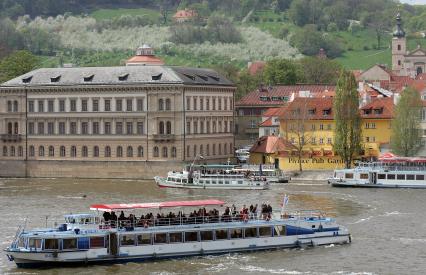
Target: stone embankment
311,175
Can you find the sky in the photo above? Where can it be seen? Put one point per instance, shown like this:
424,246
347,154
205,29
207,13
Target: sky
414,2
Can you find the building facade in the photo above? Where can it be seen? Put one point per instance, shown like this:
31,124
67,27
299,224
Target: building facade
116,114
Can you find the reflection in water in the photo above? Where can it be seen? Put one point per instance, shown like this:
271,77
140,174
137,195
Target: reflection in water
379,220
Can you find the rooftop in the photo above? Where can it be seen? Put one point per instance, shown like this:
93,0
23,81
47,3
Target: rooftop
271,144
310,108
381,108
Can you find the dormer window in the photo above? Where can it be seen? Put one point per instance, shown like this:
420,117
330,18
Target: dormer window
367,111
55,79
190,76
157,77
215,78
88,78
378,111
326,112
205,78
311,111
27,79
123,77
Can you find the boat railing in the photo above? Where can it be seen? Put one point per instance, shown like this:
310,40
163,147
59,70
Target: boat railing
390,166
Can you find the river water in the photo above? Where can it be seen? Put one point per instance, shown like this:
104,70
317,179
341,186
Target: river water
388,227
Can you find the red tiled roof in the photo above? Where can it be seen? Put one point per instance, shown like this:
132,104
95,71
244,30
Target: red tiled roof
145,59
314,108
267,123
271,112
273,96
421,76
383,105
185,14
256,67
271,144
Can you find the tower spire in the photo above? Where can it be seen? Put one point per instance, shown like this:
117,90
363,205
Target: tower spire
399,32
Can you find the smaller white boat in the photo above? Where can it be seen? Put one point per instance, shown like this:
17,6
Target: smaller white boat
213,176
242,155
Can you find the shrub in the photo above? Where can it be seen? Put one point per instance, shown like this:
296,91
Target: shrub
283,32
366,48
332,27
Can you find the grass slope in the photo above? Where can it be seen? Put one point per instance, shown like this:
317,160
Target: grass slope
102,14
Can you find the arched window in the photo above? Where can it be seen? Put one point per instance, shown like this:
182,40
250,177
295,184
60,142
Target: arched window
96,151
160,104
51,151
419,70
15,106
195,150
165,152
119,151
73,151
140,152
84,152
41,151
107,152
174,152
201,150
9,106
12,151
16,128
20,151
169,127
399,47
62,151
161,128
156,152
168,104
32,151
225,148
9,128
129,151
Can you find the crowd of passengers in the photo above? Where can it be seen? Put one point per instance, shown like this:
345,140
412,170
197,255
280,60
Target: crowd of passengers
201,216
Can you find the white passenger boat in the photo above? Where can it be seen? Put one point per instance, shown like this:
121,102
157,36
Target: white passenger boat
91,239
243,155
267,171
403,173
213,176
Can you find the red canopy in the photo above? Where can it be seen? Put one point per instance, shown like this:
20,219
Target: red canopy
391,158
124,206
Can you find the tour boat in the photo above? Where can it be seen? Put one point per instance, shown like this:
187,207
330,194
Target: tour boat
267,171
242,155
401,173
213,176
98,238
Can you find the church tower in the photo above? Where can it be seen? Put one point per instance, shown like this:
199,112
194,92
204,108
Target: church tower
399,45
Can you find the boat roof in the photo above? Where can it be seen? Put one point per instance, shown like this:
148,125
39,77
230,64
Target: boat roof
82,215
217,166
156,205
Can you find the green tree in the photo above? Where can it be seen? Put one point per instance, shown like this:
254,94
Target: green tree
319,70
16,64
347,134
406,133
281,71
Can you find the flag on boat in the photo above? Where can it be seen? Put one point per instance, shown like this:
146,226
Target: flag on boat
285,200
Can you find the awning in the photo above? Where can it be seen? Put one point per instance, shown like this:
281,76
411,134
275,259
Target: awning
156,205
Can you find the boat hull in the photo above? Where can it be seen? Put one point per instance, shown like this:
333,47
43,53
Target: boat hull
362,185
161,182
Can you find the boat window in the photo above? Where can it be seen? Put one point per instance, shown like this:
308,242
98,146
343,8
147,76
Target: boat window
160,238
226,182
220,182
69,244
184,180
280,229
391,176
420,177
250,233
169,179
175,237
191,236
349,175
97,242
34,243
206,236
127,240
222,234
400,177
21,242
363,176
410,177
240,182
83,243
265,231
381,176
51,244
236,233
144,239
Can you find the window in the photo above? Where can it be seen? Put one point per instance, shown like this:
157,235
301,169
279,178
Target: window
73,151
391,176
119,105
250,232
31,128
129,151
144,239
51,151
367,139
165,152
265,231
236,233
168,104
20,151
208,127
175,237
329,140
219,103
41,151
62,128
207,104
95,128
420,177
160,238
156,152
84,105
214,126
169,128
140,128
363,176
41,106
95,151
187,151
95,105
31,153
16,128
160,104
321,140
50,107
34,243
107,128
195,150
399,47
107,105
62,151
188,103
97,242
119,128
201,150
30,106
73,105
221,234
191,236
9,106
73,128
84,128
12,151
220,149
194,103
313,127
139,104
129,128
214,149
40,129
328,126
61,105
51,244
410,177
174,153
84,152
201,103
50,128
107,152
119,152
206,236
400,176
140,151
313,140
349,176
129,105
188,127
381,176
127,240
220,127
161,128
321,126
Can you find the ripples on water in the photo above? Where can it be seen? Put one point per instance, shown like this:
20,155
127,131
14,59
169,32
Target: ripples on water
388,226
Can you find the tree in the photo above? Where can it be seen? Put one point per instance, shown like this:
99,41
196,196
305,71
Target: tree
16,64
319,70
347,135
406,133
281,71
